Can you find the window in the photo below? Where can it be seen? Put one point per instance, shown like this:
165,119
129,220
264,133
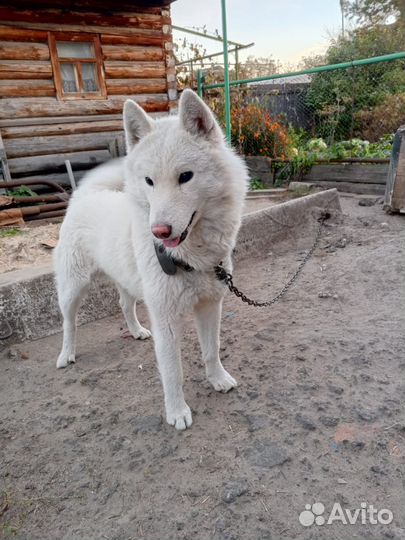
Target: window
77,66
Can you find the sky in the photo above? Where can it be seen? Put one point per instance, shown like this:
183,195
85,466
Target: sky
287,30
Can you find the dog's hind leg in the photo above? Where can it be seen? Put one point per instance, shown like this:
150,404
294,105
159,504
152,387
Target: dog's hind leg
208,319
128,306
71,290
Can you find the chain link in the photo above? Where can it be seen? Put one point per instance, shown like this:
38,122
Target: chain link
225,276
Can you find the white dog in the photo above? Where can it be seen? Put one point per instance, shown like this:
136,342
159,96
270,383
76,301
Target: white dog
157,222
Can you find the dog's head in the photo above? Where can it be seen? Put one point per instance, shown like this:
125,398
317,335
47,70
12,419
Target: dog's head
174,165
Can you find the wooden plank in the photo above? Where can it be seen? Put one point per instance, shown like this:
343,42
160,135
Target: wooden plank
56,163
10,69
119,39
349,172
71,128
351,187
136,86
127,70
49,121
39,146
125,53
31,107
22,34
145,21
92,29
27,88
23,51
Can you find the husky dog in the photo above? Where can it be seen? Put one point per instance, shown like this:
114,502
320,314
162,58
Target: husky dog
157,222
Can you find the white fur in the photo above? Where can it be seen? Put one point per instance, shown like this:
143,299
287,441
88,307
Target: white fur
108,227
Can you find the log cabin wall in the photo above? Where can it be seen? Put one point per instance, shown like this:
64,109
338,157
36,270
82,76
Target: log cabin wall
39,130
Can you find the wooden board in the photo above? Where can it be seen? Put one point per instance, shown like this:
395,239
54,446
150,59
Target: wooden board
129,70
70,128
23,51
348,172
130,53
56,163
31,107
37,146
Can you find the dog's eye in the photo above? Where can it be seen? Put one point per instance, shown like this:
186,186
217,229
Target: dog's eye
149,181
185,177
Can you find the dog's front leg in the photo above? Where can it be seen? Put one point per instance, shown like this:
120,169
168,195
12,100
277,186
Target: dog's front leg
167,348
208,318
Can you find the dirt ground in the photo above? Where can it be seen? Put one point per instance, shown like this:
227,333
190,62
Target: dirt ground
32,244
318,414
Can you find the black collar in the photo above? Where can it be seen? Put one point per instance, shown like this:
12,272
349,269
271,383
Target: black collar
168,263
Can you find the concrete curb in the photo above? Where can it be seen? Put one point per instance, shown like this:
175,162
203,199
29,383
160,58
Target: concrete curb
28,301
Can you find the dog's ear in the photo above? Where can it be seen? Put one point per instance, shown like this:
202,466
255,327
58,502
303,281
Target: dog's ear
197,118
137,123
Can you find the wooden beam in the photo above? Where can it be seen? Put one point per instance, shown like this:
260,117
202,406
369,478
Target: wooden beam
127,70
119,39
135,86
40,146
72,128
31,107
23,51
27,88
10,69
50,121
125,53
22,34
56,163
93,29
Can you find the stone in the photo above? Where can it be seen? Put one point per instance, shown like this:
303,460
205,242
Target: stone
305,422
266,454
234,489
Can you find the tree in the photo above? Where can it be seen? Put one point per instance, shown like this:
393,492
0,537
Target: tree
373,12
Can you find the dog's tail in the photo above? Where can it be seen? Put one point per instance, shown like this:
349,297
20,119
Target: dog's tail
108,176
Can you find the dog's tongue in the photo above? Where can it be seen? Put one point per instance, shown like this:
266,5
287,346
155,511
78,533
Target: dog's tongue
172,243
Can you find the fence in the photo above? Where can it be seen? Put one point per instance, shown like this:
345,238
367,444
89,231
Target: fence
273,115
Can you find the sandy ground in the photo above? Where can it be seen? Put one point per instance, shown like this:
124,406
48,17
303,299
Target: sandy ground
32,246
318,414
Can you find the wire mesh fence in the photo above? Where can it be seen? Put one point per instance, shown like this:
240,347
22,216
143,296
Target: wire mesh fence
338,112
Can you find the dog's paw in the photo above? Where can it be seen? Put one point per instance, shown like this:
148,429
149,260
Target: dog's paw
65,359
222,381
143,333
180,418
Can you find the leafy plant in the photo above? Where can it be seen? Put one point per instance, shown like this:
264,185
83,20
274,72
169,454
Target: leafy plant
255,184
21,191
10,232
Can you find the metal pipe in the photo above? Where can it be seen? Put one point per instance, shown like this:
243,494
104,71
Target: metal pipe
200,34
226,74
319,69
199,58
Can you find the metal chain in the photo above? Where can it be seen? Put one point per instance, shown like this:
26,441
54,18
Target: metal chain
225,276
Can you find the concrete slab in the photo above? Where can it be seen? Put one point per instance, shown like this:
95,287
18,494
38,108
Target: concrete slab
28,300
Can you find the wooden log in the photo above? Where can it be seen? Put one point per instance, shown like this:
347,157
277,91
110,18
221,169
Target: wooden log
118,39
26,166
61,178
23,51
71,128
351,187
51,121
135,86
26,88
31,107
348,172
127,70
25,70
125,53
145,21
39,146
104,6
22,34
93,29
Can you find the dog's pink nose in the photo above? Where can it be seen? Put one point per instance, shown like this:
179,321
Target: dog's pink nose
162,231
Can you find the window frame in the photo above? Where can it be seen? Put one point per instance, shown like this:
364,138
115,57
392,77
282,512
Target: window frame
53,38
